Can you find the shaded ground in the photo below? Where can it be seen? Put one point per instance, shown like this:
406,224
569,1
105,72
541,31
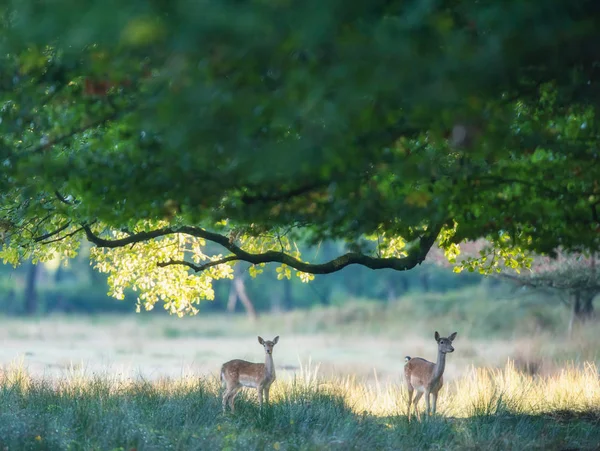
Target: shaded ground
186,416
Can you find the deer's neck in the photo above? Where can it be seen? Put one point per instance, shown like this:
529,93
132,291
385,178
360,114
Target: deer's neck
269,367
440,365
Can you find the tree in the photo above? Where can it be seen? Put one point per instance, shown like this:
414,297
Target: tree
31,295
157,128
238,291
574,277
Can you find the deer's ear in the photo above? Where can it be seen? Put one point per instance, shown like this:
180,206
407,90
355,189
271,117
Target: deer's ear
437,336
261,341
275,340
452,337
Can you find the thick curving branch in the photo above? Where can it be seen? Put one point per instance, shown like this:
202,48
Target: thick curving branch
199,268
414,258
53,233
64,237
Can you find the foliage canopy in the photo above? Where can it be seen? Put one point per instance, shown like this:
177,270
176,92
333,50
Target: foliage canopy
159,128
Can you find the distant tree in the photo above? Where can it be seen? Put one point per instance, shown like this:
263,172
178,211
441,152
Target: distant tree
30,295
237,292
574,277
154,128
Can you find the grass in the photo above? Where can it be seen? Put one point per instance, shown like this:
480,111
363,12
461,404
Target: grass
485,409
148,382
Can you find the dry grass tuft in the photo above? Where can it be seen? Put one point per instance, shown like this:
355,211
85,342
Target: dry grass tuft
307,411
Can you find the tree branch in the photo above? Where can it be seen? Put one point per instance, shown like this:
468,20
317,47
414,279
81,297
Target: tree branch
414,258
62,198
68,235
75,131
198,268
51,234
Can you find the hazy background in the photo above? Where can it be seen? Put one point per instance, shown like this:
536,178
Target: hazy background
56,320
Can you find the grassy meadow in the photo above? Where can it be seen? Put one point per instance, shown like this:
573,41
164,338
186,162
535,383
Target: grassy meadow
150,382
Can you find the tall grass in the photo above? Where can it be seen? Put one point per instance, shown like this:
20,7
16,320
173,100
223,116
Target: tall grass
497,409
484,391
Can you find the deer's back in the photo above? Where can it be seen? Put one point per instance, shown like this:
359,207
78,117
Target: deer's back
419,374
242,372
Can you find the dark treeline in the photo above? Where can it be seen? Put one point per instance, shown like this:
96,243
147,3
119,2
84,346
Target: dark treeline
77,288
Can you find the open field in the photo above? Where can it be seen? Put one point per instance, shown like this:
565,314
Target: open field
173,347
149,382
367,340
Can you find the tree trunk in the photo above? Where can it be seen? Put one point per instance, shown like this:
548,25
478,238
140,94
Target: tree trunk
583,308
404,283
353,283
59,274
238,291
240,288
392,295
323,295
31,298
288,301
425,282
12,307
232,299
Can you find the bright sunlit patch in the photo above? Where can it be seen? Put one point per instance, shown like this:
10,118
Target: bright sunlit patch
481,392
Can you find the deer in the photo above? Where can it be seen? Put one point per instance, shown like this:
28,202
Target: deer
427,377
240,373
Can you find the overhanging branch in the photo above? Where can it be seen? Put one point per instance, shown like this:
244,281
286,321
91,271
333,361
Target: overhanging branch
198,268
414,258
64,237
51,234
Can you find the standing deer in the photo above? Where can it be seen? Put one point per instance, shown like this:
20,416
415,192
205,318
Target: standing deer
427,377
240,373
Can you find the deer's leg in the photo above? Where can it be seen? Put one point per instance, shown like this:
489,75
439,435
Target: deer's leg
416,404
427,402
410,396
260,395
234,393
225,401
266,392
226,396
